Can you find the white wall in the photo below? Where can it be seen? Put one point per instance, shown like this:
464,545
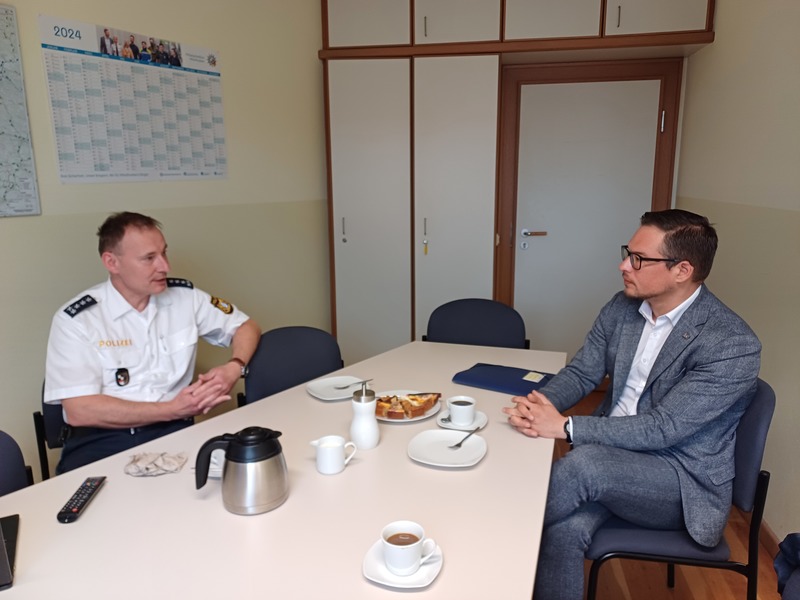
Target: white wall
740,165
257,238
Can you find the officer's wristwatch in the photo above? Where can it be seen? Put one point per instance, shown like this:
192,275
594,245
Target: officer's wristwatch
245,368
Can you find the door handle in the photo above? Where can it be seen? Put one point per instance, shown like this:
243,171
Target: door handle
527,233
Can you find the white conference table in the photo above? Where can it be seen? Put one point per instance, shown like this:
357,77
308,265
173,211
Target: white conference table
160,538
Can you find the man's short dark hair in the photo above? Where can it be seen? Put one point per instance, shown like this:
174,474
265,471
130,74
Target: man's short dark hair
688,236
113,229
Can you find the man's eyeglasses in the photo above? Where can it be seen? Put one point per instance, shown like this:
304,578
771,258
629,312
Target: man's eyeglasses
638,259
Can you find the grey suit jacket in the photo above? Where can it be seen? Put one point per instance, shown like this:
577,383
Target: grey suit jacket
700,384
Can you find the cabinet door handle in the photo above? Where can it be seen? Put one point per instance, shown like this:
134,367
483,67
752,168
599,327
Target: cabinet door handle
619,15
425,25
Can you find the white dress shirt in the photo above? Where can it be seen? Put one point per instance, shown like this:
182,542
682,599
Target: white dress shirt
99,344
654,335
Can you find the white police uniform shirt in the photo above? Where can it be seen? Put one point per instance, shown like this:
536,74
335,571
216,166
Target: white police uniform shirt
100,344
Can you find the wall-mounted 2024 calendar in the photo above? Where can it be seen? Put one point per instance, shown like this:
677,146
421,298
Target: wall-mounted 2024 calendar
130,105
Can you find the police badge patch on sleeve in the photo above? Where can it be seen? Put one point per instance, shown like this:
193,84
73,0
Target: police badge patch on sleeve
223,305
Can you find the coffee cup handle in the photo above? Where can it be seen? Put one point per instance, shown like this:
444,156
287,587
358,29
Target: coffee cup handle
428,550
352,454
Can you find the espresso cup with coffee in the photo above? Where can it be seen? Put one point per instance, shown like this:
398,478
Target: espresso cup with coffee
405,547
462,410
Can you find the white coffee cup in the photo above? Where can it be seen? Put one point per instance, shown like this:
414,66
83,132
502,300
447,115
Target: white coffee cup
405,547
332,456
462,410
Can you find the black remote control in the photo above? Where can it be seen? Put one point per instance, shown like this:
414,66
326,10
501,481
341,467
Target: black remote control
80,499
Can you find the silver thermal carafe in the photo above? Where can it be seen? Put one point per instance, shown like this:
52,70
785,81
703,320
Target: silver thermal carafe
254,475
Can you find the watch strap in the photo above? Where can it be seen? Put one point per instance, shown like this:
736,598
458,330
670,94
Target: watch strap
242,364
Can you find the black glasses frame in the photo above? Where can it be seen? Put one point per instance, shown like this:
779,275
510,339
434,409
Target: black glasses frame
636,260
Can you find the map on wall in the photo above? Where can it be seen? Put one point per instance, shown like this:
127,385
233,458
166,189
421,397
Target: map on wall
18,193
131,106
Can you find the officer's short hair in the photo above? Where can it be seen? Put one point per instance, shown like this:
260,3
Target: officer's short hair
113,229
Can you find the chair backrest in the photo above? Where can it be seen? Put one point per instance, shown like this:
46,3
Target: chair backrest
13,473
53,425
751,438
477,322
288,356
50,429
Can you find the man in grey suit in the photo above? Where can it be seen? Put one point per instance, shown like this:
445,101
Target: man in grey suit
658,451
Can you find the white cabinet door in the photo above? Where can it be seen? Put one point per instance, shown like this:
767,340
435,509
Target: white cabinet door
441,21
368,22
455,141
651,16
529,19
370,127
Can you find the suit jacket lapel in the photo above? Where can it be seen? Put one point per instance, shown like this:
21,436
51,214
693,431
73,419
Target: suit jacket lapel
687,329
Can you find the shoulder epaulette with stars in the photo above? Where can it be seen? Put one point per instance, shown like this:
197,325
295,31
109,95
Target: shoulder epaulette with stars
80,305
174,282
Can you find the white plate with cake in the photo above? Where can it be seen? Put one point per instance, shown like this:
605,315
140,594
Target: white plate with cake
406,406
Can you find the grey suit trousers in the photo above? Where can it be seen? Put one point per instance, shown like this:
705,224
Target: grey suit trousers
587,486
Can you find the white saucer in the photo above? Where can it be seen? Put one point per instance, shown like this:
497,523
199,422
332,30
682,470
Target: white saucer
325,389
480,421
430,447
375,570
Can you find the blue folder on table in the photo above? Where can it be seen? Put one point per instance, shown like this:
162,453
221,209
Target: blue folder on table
498,378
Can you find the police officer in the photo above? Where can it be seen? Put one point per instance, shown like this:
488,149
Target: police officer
121,356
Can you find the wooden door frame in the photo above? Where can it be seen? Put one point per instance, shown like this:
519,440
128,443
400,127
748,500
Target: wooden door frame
513,77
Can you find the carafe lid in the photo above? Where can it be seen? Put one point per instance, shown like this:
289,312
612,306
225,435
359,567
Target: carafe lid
253,444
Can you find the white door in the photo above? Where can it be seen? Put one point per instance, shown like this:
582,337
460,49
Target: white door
455,161
552,19
586,159
650,16
443,21
370,139
368,23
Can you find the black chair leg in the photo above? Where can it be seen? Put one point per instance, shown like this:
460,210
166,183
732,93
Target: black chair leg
594,575
752,585
670,575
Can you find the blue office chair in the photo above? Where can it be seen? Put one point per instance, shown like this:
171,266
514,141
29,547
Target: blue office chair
618,538
14,474
787,567
477,322
51,431
288,356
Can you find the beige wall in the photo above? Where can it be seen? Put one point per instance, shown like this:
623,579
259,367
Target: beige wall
740,164
258,238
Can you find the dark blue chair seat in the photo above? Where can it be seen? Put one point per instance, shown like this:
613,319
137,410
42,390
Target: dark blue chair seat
617,533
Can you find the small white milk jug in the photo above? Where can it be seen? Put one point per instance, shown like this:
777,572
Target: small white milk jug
364,430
